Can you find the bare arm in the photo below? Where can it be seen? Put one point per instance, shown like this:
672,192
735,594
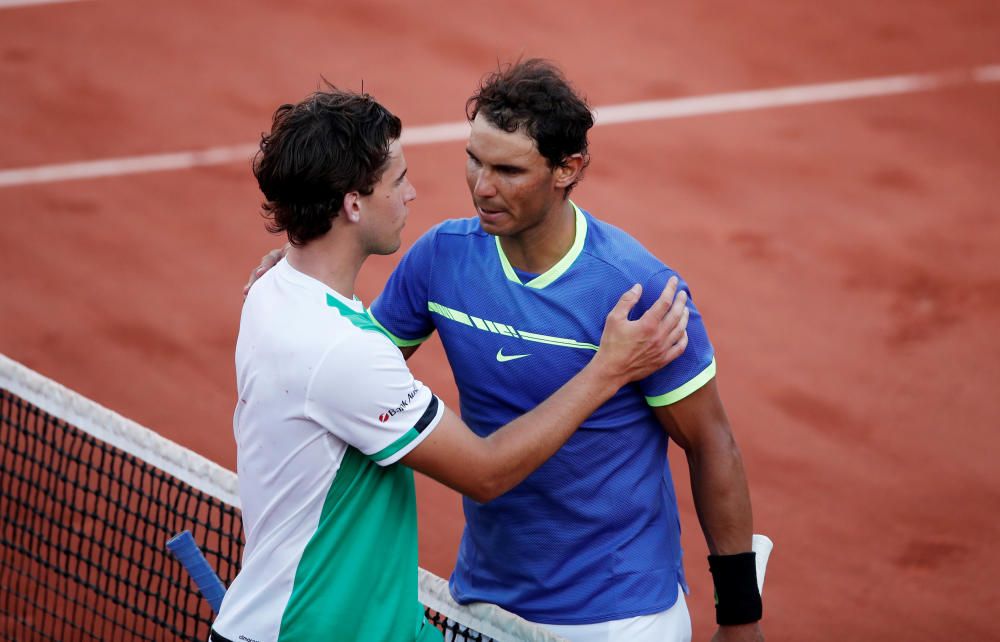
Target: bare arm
699,425
484,468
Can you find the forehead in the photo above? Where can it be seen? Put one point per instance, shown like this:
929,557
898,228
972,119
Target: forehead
490,144
395,163
395,153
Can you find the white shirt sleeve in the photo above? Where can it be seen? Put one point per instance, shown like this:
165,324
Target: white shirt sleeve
363,393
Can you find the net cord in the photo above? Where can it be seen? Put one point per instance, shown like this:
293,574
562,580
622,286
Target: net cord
219,482
107,425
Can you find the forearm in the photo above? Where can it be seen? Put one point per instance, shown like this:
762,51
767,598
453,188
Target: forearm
722,500
629,351
518,448
721,495
699,425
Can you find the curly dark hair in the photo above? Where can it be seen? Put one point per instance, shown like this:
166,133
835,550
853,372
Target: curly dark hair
332,143
533,96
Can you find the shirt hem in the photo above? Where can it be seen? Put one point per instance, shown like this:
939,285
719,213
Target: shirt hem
546,618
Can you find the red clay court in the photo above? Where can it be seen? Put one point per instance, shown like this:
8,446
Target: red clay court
841,239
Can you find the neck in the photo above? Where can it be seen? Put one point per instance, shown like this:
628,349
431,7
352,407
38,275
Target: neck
335,259
538,248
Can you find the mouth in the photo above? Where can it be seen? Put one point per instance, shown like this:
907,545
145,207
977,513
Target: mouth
489,215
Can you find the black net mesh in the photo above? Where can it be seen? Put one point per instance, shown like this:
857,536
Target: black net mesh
82,543
83,532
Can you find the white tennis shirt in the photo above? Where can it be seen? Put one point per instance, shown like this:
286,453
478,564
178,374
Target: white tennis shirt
326,407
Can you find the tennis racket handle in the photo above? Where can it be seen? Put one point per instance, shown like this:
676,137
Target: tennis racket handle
762,545
189,555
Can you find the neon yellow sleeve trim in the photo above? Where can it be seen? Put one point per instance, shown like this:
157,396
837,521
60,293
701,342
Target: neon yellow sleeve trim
400,343
677,394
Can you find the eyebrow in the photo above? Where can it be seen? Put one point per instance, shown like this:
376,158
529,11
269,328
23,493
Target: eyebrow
501,167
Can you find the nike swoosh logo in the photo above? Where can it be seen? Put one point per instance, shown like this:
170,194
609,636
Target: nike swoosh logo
501,357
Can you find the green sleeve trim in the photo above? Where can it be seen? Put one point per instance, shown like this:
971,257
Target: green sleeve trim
677,394
400,342
396,446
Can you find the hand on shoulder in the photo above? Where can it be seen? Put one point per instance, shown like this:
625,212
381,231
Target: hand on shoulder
267,262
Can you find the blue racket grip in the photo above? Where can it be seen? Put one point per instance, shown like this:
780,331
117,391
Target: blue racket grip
189,555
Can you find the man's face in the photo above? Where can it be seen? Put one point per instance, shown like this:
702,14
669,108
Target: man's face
511,183
384,210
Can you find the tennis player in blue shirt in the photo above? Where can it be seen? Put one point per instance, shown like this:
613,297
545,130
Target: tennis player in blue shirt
589,544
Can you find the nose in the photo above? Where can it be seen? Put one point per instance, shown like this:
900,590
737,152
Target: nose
411,192
484,186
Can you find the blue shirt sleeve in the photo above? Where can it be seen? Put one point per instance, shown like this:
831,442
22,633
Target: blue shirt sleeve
691,370
401,309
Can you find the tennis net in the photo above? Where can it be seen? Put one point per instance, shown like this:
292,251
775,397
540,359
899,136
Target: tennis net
88,500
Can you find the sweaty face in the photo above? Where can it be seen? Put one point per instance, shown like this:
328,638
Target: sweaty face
512,185
384,211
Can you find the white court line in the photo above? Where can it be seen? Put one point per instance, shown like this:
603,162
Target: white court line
608,115
13,4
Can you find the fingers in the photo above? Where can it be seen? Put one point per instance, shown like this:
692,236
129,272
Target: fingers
671,334
254,275
267,262
662,304
677,309
671,353
626,303
674,326
677,349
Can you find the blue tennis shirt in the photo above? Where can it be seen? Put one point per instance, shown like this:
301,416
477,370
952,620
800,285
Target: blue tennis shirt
593,534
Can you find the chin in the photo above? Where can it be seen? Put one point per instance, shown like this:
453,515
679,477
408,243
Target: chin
490,227
388,249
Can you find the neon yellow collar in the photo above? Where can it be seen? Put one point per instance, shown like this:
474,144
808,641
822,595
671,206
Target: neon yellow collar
557,270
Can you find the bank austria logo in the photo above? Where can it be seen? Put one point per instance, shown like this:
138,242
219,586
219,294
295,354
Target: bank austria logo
392,412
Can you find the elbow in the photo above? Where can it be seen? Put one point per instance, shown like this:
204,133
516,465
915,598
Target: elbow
492,481
493,477
487,488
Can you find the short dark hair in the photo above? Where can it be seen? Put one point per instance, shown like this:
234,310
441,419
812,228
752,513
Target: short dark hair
332,143
534,97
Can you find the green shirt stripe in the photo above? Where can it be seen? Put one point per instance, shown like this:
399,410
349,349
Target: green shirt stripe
400,342
395,446
365,545
485,325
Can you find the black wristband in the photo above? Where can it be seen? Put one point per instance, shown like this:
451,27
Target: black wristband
737,600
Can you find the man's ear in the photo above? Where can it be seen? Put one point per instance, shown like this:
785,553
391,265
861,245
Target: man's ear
352,206
569,170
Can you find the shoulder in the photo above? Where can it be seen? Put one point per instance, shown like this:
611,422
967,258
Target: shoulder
454,227
362,351
460,227
447,234
365,333
620,252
